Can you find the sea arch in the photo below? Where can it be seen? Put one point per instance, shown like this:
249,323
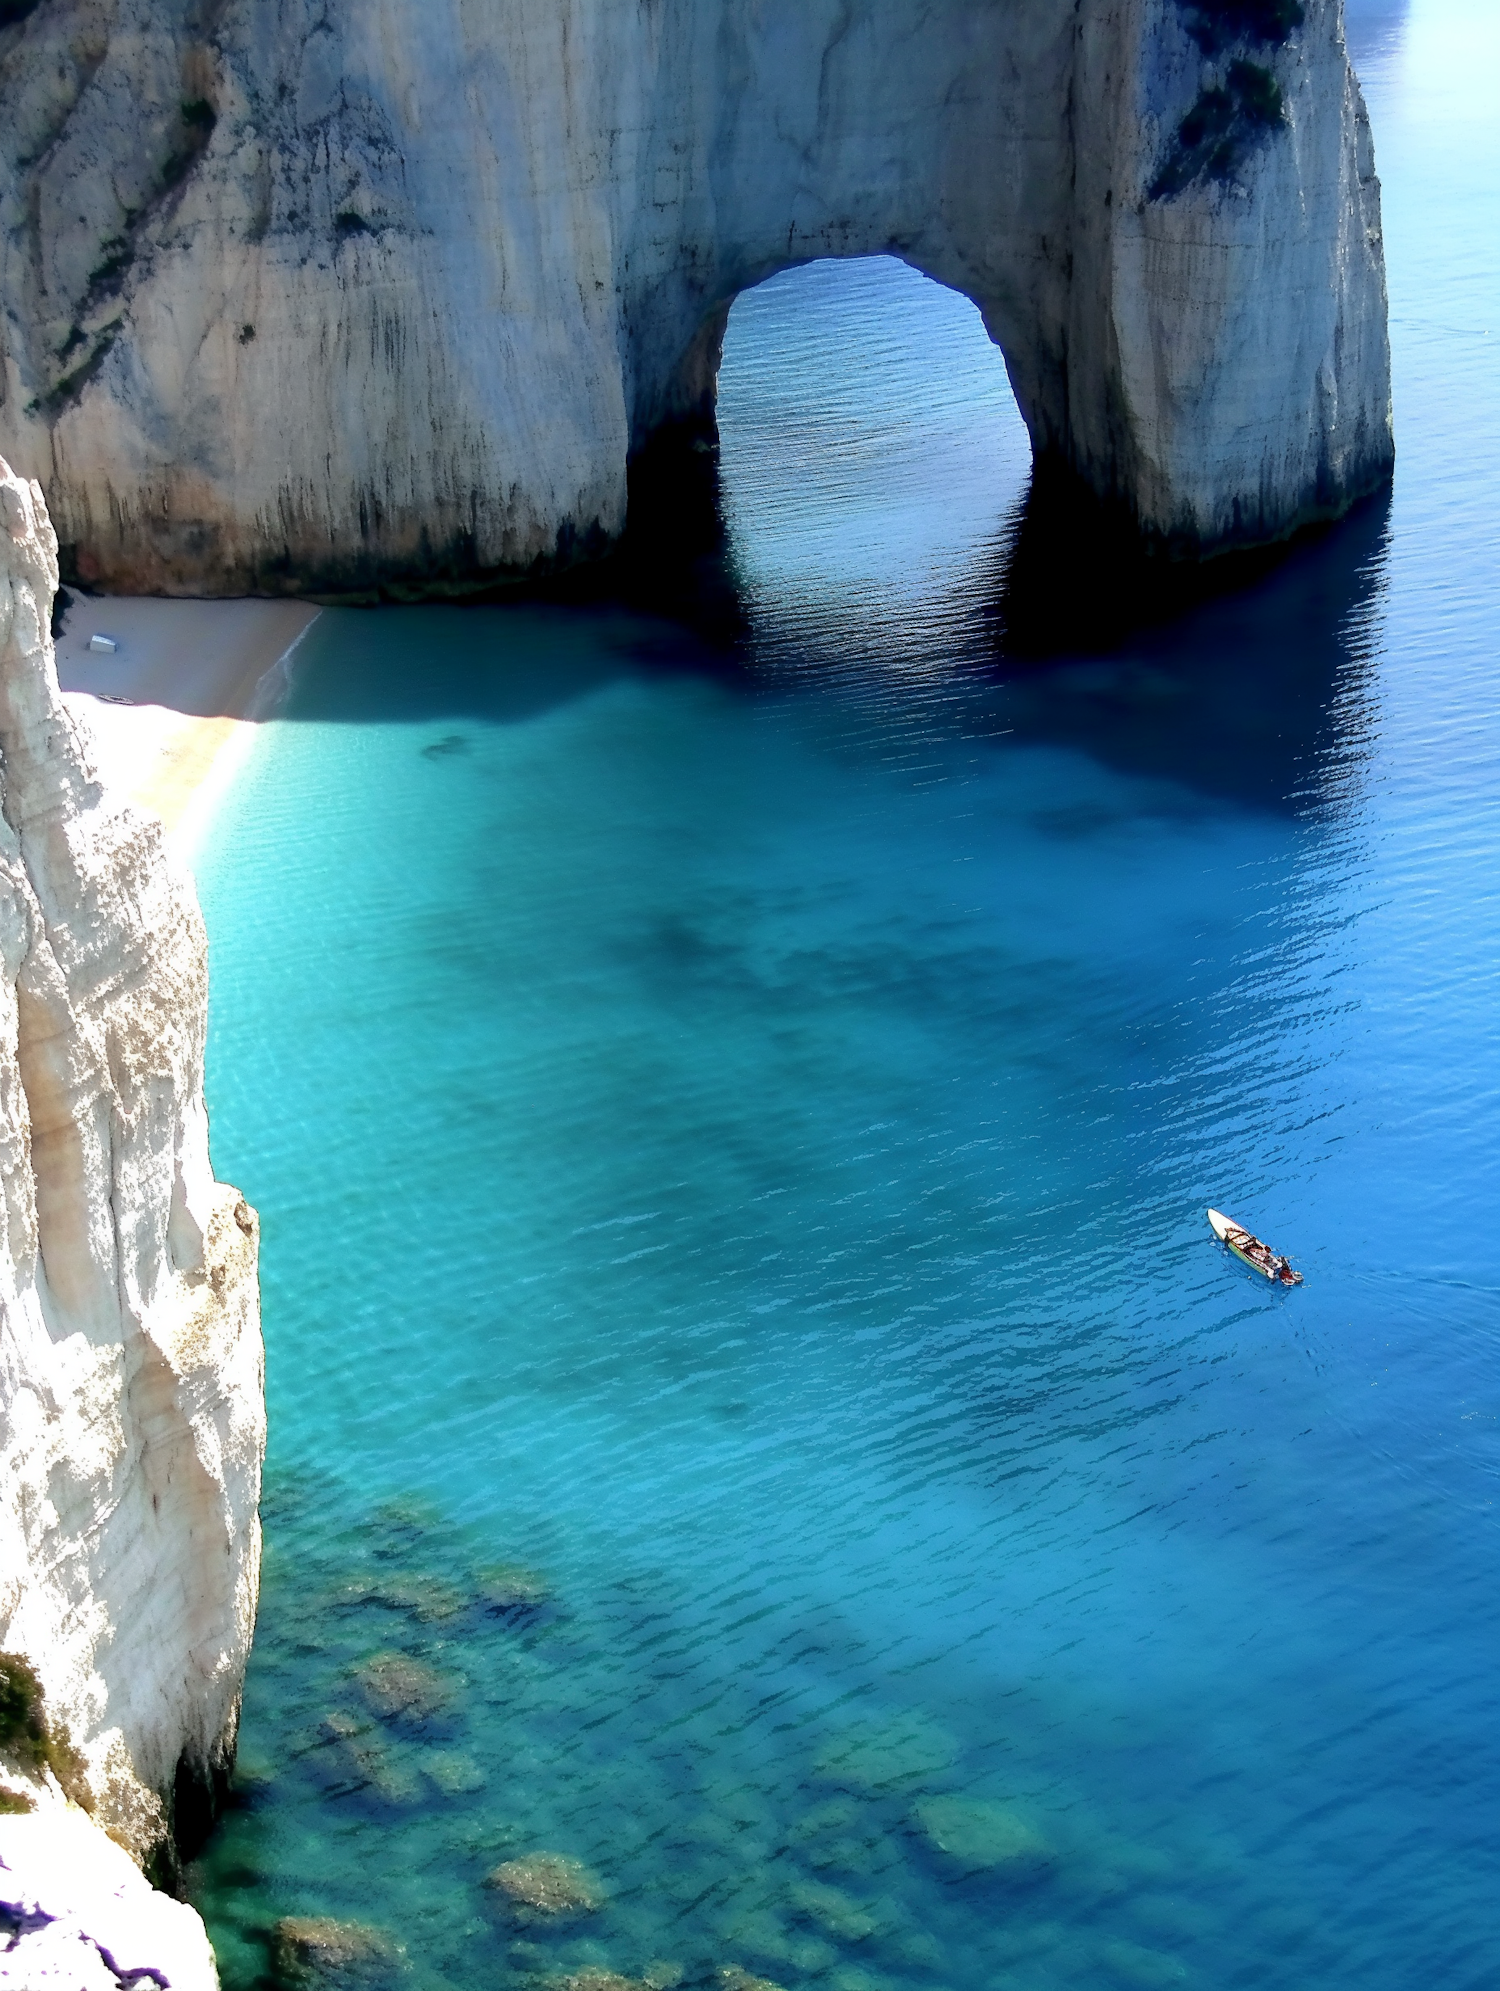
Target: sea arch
1167,216
394,298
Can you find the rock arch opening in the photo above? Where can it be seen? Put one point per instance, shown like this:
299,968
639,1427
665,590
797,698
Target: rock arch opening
870,452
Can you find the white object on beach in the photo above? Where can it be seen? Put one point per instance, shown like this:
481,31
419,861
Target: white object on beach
103,643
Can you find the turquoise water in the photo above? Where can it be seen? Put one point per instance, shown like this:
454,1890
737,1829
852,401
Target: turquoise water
732,1126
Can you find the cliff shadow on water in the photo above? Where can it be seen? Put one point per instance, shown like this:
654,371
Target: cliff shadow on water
864,515
1238,680
867,515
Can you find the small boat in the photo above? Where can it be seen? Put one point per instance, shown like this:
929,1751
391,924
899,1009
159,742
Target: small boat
1252,1251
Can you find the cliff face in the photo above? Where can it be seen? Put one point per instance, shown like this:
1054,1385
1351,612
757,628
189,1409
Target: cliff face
298,296
132,1420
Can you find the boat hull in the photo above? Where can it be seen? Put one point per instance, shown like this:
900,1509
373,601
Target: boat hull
1249,1250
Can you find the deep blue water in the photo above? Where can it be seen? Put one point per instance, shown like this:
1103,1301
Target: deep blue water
732,1126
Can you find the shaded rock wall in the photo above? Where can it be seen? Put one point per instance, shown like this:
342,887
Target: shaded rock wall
132,1416
298,295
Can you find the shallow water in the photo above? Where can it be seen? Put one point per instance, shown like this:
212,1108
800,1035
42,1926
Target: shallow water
732,1129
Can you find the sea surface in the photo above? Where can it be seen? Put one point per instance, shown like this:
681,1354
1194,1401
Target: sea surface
755,1406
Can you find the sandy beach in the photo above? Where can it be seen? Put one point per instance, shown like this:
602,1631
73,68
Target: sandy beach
174,707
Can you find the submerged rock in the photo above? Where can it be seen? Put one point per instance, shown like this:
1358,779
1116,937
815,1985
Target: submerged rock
364,1761
853,1977
762,1933
426,1598
903,1752
511,1590
403,1522
395,1685
547,1887
732,1978
845,1837
532,1959
393,1783
835,1912
1141,1969
918,1949
977,1833
593,1977
318,1951
838,1814
455,1775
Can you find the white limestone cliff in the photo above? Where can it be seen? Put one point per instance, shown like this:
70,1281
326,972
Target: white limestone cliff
298,296
132,1420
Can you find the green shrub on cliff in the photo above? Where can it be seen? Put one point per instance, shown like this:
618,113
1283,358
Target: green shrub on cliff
27,1742
1222,129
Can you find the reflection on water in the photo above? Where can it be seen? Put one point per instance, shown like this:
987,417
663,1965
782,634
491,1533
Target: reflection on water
772,1482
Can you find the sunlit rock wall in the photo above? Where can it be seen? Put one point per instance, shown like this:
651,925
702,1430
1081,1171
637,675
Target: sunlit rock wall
132,1417
299,296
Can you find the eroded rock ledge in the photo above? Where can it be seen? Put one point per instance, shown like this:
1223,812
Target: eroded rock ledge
132,1418
299,298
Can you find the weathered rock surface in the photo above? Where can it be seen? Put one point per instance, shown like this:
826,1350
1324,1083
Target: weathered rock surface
132,1419
592,1978
76,1914
395,1685
547,1887
510,1589
977,1833
656,1977
297,296
316,1950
